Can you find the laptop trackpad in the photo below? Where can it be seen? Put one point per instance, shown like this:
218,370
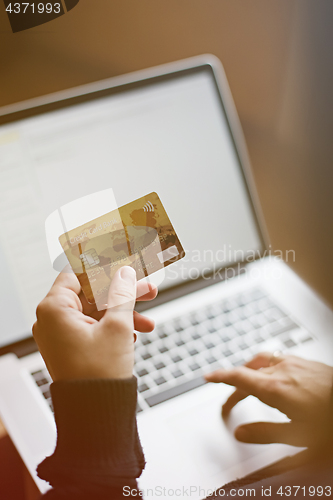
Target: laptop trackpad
209,440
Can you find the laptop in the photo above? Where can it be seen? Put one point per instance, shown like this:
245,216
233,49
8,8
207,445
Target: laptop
173,130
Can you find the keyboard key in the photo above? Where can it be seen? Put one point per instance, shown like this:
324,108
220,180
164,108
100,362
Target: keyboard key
159,366
240,300
177,373
243,346
142,372
194,367
138,408
163,349
225,338
241,313
243,299
286,321
225,307
307,339
162,334
240,330
238,362
233,317
176,358
146,355
196,336
275,329
257,294
232,333
192,352
194,321
143,388
256,322
179,342
231,304
276,312
209,345
255,307
211,360
175,391
38,374
160,381
42,381
145,341
178,328
47,394
209,314
269,319
259,339
265,304
298,335
211,329
289,343
227,353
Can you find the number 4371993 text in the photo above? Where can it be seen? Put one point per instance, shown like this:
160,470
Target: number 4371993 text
32,8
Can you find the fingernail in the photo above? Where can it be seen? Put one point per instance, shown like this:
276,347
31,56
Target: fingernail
128,274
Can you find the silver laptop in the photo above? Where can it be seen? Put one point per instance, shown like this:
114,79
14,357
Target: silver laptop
173,130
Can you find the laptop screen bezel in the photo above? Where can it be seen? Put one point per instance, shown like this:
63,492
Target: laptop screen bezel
100,90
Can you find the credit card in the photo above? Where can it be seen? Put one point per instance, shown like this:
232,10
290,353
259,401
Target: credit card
138,234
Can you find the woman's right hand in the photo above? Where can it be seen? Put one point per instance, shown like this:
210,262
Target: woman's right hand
297,387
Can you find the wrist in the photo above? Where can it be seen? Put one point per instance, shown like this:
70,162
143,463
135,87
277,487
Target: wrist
109,368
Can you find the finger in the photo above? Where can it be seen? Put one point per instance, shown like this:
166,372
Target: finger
142,323
269,432
254,382
146,291
261,360
90,309
235,398
63,293
67,280
122,292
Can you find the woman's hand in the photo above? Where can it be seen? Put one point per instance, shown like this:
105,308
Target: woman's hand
297,387
79,342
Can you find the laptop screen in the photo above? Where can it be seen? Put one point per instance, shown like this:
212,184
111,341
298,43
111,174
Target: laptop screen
169,135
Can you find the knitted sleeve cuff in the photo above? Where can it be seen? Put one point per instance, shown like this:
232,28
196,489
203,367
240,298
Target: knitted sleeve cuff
97,434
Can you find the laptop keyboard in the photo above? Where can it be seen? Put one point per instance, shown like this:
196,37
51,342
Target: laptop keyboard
172,359
43,380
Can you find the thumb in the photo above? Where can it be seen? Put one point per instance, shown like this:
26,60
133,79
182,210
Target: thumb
122,292
268,432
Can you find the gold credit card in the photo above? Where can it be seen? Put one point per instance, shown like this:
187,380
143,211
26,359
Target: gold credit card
138,234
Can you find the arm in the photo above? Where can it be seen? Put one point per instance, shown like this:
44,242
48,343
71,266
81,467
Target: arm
90,356
98,450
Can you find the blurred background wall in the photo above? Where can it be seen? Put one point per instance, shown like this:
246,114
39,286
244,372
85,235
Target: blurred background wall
277,55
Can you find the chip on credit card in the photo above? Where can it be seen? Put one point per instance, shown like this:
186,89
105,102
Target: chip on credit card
138,234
